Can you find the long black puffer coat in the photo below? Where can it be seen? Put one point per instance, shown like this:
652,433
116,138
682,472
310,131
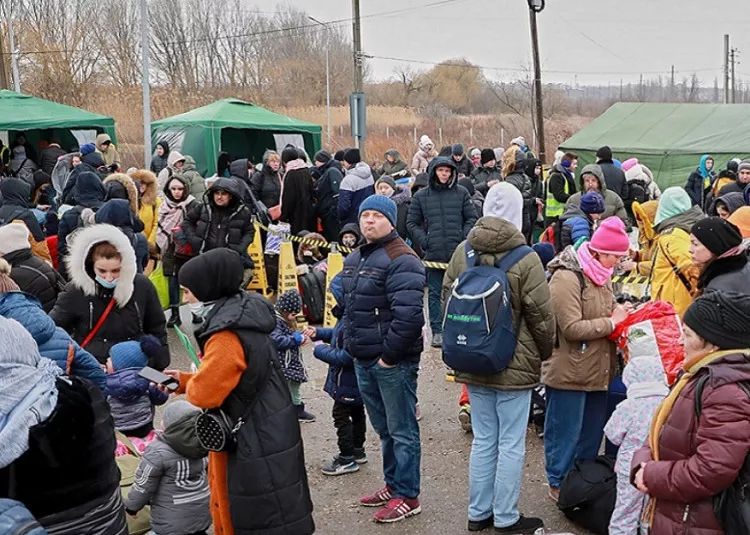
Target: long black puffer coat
208,226
520,180
16,195
441,215
137,309
266,186
35,276
266,477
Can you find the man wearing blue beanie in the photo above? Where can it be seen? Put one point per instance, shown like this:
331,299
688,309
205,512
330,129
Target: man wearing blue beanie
383,282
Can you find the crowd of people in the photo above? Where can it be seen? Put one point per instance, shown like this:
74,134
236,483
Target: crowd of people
82,321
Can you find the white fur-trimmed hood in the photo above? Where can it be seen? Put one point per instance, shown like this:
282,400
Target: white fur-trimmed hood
82,243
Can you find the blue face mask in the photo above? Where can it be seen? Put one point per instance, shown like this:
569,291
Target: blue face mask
105,283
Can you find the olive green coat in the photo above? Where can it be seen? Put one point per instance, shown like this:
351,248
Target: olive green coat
533,317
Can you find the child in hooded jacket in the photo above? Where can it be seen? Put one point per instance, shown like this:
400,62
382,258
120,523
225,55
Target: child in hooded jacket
628,428
172,476
341,384
130,396
288,341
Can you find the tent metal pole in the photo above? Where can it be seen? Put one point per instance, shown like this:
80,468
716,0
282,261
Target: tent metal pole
145,44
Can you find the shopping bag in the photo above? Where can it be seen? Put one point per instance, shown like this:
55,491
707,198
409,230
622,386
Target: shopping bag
161,283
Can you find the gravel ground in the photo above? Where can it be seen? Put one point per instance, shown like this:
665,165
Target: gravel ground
445,461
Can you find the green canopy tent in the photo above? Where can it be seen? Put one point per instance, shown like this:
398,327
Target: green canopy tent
40,119
668,138
230,125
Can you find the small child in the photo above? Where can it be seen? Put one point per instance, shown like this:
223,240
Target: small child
288,341
628,428
130,396
341,384
577,223
172,476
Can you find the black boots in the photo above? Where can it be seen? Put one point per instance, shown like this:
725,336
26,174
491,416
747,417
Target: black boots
174,318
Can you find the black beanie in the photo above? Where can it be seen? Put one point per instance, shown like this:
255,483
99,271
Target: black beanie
458,149
352,156
717,234
487,156
604,153
323,156
339,156
288,154
721,318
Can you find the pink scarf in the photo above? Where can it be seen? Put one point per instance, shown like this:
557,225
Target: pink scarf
598,274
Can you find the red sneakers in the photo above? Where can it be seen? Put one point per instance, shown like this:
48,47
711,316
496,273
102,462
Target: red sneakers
398,509
378,499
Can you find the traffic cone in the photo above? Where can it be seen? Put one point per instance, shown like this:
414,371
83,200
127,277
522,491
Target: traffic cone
335,265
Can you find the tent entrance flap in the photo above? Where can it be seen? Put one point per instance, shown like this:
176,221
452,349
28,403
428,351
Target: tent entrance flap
282,140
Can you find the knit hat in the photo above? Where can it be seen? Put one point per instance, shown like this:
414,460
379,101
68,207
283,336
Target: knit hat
339,156
604,153
176,411
487,155
289,302
717,234
721,318
322,156
87,148
386,179
672,202
545,252
352,156
13,237
741,219
382,204
520,141
476,152
133,353
289,154
6,283
592,203
504,201
744,166
611,238
458,149
225,267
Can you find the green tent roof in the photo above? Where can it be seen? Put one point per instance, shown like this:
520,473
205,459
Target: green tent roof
668,138
24,112
235,113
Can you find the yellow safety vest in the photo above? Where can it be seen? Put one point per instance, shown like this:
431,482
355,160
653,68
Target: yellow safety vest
554,207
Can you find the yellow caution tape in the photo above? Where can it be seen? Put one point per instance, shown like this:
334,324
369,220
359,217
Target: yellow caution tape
630,278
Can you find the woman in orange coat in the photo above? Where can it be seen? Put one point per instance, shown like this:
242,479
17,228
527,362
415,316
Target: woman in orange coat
260,486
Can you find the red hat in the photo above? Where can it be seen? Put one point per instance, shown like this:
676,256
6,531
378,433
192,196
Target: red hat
611,238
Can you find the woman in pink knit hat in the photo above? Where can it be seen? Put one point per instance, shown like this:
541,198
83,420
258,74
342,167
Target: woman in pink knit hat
584,361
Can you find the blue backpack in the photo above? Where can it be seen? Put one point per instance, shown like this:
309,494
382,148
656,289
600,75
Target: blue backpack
478,332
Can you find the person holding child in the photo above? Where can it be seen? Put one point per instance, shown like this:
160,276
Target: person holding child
172,476
288,341
341,384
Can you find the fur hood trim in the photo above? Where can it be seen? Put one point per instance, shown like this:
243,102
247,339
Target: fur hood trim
80,248
129,186
149,180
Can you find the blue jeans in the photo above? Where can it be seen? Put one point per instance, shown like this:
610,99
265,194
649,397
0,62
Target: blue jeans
174,291
498,420
390,396
573,430
434,291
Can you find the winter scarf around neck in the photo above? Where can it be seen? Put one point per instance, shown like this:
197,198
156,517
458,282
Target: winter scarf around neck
647,390
598,274
28,395
171,214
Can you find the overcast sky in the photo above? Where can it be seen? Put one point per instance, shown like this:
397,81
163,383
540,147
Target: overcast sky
601,40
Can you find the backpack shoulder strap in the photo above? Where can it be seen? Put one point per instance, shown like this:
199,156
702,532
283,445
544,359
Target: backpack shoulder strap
513,257
701,385
472,257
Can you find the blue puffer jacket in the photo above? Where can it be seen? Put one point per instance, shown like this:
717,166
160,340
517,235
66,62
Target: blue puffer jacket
575,225
16,519
383,300
53,341
341,383
131,397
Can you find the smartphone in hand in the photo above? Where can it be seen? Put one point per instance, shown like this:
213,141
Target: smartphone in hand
155,376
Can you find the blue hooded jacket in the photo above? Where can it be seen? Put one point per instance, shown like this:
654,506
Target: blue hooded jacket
699,181
341,382
117,212
53,341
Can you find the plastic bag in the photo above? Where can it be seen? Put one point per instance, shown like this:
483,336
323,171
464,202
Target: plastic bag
276,234
161,283
654,329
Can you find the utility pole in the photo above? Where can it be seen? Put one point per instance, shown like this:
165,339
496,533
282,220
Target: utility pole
14,57
145,44
535,6
328,76
358,75
726,68
4,84
733,60
671,85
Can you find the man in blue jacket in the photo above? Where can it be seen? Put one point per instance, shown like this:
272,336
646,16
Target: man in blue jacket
383,284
